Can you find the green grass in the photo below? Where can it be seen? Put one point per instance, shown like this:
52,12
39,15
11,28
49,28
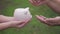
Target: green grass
33,27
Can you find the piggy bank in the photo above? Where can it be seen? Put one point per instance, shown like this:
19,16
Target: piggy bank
22,14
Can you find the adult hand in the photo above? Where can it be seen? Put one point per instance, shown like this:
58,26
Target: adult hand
49,21
37,2
18,24
13,24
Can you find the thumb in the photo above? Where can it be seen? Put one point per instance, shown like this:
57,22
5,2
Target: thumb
16,22
19,22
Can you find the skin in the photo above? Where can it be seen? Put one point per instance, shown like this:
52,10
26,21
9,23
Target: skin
8,22
54,5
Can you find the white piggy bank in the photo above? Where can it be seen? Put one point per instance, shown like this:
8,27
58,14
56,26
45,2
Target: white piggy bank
22,14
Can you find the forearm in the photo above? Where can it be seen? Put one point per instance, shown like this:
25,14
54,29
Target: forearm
4,25
5,18
54,6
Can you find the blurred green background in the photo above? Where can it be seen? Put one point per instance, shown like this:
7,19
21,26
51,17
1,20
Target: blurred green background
34,27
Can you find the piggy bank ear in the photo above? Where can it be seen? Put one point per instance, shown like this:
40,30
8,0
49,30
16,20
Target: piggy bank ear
27,8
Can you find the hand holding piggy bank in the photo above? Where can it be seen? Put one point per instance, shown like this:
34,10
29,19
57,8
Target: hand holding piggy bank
22,14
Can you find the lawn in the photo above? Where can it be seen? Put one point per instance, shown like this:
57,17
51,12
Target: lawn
33,27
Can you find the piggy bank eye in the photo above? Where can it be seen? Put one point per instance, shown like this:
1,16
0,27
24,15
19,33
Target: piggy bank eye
25,13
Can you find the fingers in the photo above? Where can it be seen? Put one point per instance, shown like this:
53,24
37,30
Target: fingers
41,18
16,22
28,20
21,25
33,2
37,2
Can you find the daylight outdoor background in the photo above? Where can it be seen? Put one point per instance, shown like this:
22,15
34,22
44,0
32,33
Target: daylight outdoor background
34,27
